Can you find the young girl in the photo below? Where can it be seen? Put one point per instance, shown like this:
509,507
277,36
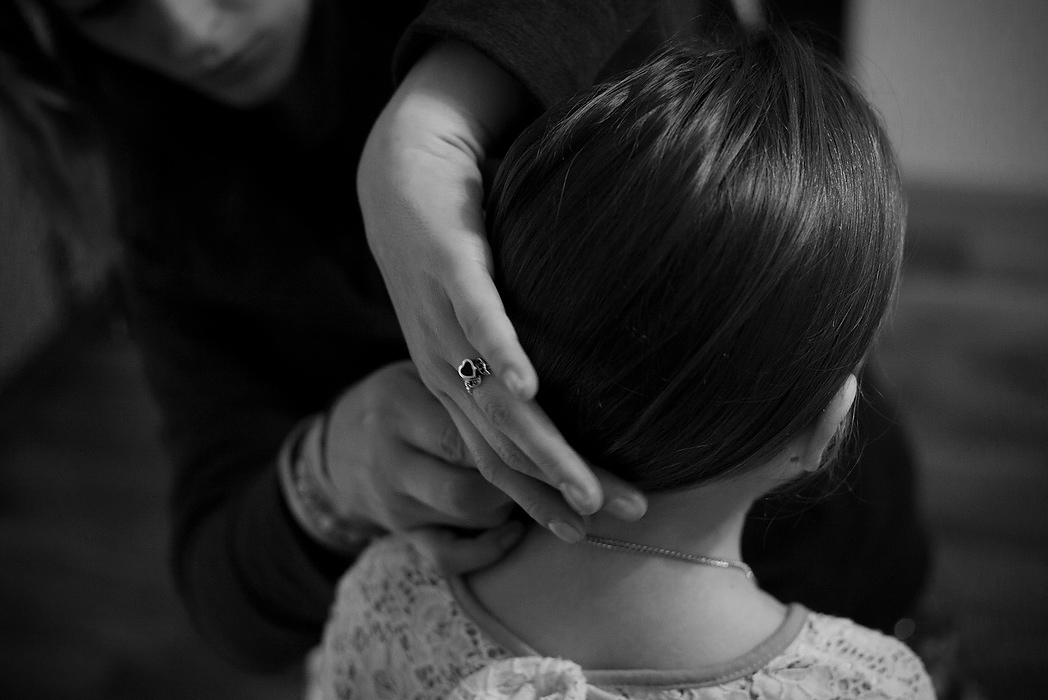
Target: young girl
696,257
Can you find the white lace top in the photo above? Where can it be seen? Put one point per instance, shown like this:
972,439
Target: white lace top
400,629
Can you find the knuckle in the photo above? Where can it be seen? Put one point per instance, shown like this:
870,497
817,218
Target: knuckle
515,460
541,465
431,338
493,339
472,324
489,469
374,417
498,413
432,368
452,446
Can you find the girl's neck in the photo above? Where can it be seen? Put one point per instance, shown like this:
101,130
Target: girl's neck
619,609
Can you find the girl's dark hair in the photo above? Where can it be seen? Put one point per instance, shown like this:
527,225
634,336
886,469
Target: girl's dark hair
697,254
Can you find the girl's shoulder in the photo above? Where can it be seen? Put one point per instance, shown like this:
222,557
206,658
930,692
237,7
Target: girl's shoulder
395,631
836,657
811,656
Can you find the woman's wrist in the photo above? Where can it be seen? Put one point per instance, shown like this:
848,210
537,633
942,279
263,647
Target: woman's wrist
309,493
457,90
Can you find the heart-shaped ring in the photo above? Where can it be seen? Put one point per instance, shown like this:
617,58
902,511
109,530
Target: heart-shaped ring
473,372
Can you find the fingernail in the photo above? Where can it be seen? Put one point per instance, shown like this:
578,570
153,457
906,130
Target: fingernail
565,531
626,508
516,384
578,499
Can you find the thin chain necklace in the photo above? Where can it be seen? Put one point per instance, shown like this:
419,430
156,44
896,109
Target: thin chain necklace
608,543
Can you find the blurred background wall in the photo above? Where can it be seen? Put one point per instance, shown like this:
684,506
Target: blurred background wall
962,86
963,89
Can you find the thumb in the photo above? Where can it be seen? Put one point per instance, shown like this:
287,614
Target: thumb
456,553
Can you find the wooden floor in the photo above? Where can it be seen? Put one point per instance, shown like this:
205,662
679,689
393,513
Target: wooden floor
87,611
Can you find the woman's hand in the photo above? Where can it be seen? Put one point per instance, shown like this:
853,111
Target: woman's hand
395,461
421,193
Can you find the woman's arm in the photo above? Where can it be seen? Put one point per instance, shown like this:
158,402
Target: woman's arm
551,48
254,586
420,188
256,583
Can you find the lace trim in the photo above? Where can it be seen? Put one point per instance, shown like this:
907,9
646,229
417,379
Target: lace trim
746,664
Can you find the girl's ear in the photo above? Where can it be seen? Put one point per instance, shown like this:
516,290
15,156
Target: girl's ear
827,424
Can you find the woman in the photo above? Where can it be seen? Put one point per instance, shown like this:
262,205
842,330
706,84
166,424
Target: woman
257,307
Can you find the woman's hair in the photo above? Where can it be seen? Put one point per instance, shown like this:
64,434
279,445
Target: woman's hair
695,255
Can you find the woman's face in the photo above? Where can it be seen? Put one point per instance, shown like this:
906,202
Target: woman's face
240,52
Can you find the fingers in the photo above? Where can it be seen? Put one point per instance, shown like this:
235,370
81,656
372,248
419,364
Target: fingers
435,493
480,312
523,427
540,501
502,431
516,474
396,459
430,430
457,553
621,499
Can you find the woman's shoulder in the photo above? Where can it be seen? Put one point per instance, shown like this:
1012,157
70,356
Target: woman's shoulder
839,655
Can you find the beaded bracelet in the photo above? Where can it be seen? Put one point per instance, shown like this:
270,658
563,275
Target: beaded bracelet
302,468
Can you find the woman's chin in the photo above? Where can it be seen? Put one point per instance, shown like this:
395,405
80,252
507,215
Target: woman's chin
252,76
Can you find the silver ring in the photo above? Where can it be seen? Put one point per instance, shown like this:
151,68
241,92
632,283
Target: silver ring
473,372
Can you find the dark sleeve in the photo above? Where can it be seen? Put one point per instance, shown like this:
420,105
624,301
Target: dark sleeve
253,300
554,47
254,584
